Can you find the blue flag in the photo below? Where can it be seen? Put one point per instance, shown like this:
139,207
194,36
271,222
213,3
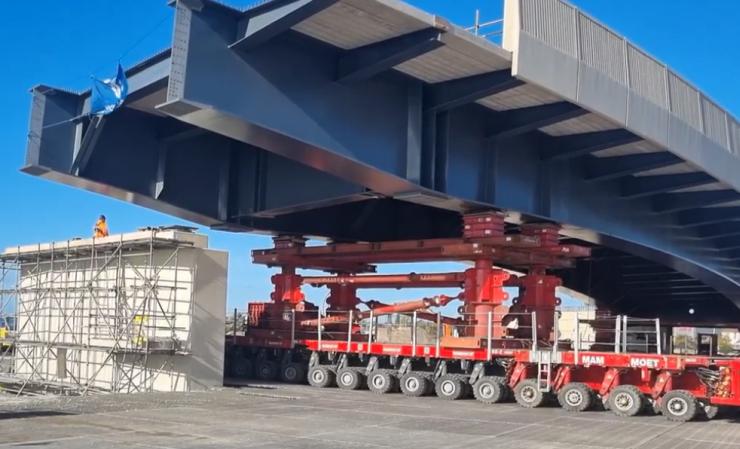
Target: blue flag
108,95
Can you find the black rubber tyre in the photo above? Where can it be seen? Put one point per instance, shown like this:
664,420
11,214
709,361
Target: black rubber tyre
429,387
350,379
576,397
450,387
491,390
626,400
415,384
708,411
651,407
382,382
468,388
293,373
679,406
528,394
241,367
321,377
265,370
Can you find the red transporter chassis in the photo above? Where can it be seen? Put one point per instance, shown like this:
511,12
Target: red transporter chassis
488,356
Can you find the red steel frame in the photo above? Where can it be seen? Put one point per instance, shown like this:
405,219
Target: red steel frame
535,250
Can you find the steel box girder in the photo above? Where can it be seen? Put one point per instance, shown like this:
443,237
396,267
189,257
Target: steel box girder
387,157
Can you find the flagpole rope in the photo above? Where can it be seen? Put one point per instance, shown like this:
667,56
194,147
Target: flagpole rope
138,42
144,37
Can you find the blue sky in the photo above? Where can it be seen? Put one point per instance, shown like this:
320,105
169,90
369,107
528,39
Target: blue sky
62,43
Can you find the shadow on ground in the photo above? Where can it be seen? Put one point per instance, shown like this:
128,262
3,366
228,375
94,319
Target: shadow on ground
30,414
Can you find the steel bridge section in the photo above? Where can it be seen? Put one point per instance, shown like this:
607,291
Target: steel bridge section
372,120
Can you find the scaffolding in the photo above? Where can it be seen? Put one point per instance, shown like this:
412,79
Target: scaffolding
108,314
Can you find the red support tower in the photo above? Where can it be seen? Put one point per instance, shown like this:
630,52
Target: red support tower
484,285
536,290
484,292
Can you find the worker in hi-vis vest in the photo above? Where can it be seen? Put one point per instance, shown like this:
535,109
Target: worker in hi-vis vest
101,227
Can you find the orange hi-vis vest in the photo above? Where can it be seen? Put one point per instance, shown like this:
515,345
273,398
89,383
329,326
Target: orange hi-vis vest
101,229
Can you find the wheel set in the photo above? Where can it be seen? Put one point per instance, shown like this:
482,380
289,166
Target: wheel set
623,400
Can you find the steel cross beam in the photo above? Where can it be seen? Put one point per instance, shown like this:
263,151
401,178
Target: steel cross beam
606,168
708,215
413,280
674,202
262,23
575,145
727,243
455,93
365,62
718,229
519,121
639,186
514,250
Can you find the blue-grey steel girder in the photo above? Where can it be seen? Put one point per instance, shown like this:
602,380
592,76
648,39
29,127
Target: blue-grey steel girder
235,137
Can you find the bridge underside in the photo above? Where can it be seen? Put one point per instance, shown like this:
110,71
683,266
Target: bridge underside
276,120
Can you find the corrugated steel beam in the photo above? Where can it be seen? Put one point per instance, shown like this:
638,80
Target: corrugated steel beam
454,93
639,186
718,229
606,168
734,254
708,215
365,62
264,22
674,202
727,243
519,121
575,145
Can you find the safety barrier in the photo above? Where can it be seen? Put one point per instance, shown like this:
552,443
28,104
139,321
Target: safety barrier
563,27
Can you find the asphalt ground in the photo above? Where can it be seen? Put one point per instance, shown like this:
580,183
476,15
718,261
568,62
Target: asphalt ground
299,416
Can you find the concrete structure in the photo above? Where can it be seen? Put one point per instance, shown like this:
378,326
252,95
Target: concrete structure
373,120
141,311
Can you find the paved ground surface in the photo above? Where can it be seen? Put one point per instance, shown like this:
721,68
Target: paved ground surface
290,416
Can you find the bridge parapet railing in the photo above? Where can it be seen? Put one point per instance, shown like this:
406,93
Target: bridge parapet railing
565,28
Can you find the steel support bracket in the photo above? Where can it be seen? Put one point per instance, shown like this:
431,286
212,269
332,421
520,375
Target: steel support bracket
365,62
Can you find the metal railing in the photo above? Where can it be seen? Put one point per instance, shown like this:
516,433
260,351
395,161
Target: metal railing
565,28
570,330
491,29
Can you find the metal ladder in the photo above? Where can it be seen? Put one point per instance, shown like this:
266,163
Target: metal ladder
544,370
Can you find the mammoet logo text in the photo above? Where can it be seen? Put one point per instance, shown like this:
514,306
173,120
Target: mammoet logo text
592,359
638,362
